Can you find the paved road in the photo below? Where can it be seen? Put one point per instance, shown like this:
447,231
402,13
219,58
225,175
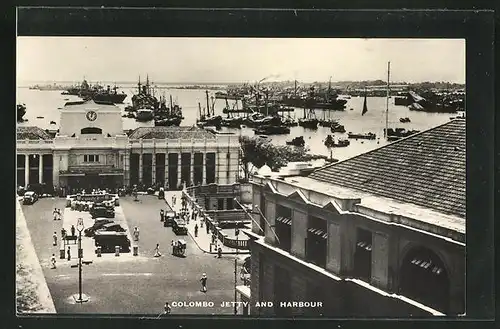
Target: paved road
134,285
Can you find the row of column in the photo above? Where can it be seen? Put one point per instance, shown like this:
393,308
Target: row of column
179,167
27,168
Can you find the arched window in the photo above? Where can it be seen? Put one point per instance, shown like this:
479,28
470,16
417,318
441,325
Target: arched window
91,130
423,277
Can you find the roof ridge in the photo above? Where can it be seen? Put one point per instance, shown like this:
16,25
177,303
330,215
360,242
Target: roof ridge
384,146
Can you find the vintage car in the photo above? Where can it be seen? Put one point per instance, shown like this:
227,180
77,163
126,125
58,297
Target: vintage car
98,224
108,240
179,226
30,197
102,211
169,218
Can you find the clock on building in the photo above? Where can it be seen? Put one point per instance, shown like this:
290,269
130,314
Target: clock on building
91,115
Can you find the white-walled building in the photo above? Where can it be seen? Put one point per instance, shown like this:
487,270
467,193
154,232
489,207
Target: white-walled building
91,149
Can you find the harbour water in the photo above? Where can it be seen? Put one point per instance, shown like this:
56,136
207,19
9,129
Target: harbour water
47,104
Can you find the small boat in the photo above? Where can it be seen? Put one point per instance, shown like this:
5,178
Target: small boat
272,130
330,142
404,120
337,128
297,141
361,135
234,122
52,122
400,132
39,117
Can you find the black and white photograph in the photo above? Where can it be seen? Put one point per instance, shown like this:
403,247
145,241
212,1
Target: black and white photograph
273,177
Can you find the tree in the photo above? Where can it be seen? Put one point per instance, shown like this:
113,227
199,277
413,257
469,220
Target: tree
261,152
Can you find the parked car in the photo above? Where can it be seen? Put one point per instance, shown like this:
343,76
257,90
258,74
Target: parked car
99,223
102,211
30,197
111,227
108,240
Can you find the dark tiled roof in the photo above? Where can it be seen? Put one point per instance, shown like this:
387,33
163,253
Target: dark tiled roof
171,133
33,133
427,169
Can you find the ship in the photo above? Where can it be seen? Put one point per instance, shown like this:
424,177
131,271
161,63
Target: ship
272,130
96,92
327,100
432,102
47,87
337,128
361,135
21,111
400,132
207,117
309,120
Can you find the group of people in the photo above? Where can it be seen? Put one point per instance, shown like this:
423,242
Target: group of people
57,214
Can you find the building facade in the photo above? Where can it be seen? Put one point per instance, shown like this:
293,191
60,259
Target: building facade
91,149
380,234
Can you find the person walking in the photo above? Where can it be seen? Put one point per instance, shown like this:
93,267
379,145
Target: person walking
219,252
162,215
54,238
167,309
196,230
208,229
53,261
173,200
68,253
73,230
157,250
203,281
59,215
136,233
54,213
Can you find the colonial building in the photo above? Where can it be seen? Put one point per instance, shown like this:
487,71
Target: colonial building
380,234
91,149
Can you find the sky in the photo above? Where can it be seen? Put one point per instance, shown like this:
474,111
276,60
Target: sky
225,60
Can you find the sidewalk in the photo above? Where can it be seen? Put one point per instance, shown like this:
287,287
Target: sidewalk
203,239
30,281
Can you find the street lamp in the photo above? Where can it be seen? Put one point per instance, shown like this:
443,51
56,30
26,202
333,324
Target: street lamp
236,232
79,227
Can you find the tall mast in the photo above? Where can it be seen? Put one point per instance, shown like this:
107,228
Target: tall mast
387,99
208,103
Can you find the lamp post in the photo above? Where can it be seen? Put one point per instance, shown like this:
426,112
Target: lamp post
236,232
79,227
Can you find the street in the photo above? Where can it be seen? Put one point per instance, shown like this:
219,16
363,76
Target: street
131,284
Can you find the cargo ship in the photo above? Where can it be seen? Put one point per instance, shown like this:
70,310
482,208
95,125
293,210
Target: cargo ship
96,92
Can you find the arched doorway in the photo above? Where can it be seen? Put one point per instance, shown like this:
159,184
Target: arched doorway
423,277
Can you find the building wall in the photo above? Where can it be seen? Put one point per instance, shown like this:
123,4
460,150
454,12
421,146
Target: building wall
74,118
389,244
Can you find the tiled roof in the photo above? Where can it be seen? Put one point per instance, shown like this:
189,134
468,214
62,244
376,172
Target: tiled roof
171,133
427,169
32,133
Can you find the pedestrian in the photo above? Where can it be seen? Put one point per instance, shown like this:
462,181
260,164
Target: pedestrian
72,230
136,233
69,253
208,229
54,213
173,200
203,281
53,261
162,215
219,252
167,309
63,233
54,237
196,230
157,250
214,238
201,223
59,215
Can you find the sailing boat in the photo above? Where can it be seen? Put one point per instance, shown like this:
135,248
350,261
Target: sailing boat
309,121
